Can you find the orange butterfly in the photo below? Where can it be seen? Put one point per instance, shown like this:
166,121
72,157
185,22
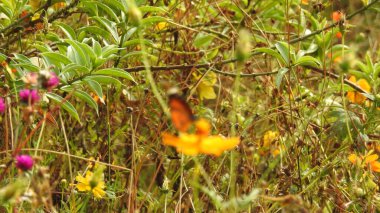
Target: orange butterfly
181,113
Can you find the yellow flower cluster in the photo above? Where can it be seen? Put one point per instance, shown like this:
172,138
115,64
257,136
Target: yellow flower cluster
200,142
91,183
369,161
357,97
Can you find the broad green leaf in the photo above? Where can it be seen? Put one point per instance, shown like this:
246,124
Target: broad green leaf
69,32
280,75
110,26
77,53
153,20
307,61
203,40
115,72
56,58
145,9
27,66
270,52
102,79
65,104
96,31
95,86
283,49
83,96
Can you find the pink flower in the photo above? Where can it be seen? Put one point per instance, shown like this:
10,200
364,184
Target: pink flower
53,80
27,94
2,105
24,162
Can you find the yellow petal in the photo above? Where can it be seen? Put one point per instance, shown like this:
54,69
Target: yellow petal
206,92
351,96
162,25
371,158
362,83
375,166
203,127
83,187
187,144
216,145
192,151
81,179
276,152
168,139
98,192
352,158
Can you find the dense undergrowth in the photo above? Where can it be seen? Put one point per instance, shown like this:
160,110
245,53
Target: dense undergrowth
189,106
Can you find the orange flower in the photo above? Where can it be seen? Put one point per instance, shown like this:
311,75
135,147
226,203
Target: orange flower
201,142
369,161
357,97
337,16
339,35
305,1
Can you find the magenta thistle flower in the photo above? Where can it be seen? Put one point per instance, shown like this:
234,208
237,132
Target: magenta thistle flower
24,162
53,80
2,105
27,94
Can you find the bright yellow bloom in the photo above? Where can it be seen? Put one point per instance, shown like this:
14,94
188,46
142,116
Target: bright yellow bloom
201,142
357,97
162,25
205,87
369,161
305,1
91,183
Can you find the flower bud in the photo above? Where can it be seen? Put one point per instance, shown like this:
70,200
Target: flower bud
24,162
27,94
244,45
2,105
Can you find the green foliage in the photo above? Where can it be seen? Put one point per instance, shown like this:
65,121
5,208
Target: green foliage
275,74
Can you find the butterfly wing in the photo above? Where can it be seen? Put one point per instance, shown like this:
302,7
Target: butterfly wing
182,116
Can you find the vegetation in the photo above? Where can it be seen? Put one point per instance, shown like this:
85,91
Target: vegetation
189,106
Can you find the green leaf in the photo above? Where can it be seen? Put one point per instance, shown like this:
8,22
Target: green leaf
102,79
203,40
115,72
69,32
65,104
55,58
145,9
96,31
27,66
76,53
307,61
153,20
110,26
75,68
84,97
270,52
96,87
280,76
284,50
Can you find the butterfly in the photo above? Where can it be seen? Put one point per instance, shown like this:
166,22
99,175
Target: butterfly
181,113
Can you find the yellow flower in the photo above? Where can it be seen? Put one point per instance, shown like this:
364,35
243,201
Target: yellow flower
205,87
162,26
269,138
91,183
369,161
201,142
357,97
305,1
